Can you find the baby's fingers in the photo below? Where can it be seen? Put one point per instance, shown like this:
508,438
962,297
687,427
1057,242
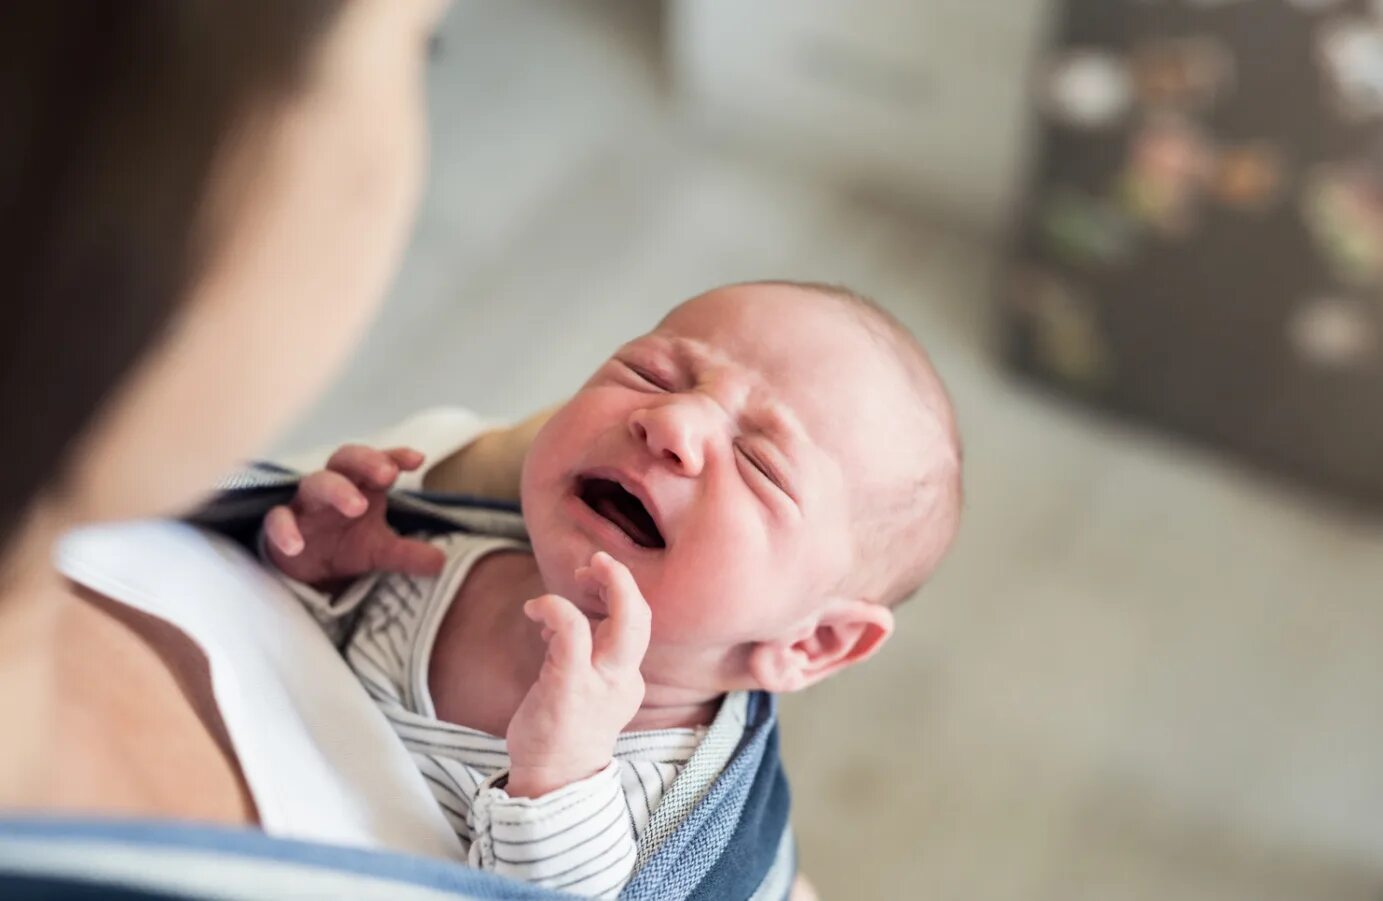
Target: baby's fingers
326,490
406,458
282,532
569,644
365,466
622,639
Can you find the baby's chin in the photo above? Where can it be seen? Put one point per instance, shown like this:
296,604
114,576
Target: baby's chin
558,559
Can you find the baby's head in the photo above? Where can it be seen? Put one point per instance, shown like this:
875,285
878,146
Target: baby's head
777,464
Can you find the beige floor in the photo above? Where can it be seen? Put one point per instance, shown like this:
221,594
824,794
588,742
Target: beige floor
1143,674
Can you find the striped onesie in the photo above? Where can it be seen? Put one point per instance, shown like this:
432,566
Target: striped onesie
582,838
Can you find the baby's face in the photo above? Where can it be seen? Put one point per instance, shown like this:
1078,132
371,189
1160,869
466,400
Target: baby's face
720,458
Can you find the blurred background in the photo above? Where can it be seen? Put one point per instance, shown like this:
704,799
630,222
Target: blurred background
1151,668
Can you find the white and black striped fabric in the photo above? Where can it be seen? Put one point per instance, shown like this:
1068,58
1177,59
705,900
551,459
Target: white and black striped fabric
584,838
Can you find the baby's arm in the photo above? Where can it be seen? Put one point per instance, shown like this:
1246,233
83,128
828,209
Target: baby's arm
558,817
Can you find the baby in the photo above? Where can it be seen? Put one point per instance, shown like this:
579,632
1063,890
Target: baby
733,502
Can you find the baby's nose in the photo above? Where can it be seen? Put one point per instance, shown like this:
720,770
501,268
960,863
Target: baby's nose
671,433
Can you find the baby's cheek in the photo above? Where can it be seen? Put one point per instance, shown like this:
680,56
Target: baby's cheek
701,610
685,625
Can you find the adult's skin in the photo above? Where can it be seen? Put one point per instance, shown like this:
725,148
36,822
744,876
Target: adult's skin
224,195
301,215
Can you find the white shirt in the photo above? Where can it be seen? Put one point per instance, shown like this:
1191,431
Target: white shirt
319,758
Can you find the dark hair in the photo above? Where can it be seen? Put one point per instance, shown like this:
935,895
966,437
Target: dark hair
112,119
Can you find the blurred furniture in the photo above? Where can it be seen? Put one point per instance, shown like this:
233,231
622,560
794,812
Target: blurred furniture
1202,240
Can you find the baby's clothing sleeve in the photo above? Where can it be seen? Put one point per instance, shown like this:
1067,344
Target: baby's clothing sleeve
579,839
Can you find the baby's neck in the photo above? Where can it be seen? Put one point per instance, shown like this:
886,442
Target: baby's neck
487,655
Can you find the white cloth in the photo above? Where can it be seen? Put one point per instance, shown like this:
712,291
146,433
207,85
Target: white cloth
581,838
320,760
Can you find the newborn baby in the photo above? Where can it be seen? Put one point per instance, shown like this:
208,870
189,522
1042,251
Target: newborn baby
734,501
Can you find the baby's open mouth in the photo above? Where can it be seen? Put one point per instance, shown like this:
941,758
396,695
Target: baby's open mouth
627,512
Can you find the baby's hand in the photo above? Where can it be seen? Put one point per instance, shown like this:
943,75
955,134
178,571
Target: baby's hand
589,687
335,528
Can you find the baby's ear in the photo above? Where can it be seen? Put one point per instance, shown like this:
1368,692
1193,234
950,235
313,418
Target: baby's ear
847,632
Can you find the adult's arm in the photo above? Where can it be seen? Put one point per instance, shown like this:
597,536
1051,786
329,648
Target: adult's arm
489,466
465,454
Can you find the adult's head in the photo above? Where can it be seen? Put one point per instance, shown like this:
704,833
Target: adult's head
201,202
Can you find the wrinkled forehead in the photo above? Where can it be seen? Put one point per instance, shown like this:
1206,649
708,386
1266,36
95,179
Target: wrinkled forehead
806,355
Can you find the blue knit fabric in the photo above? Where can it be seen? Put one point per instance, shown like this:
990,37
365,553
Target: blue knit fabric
723,850
718,834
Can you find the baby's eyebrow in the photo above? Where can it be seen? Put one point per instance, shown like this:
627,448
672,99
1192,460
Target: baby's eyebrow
652,338
765,413
688,352
777,422
682,351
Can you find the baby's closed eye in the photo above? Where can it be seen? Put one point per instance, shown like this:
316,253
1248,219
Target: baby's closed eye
649,376
760,460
